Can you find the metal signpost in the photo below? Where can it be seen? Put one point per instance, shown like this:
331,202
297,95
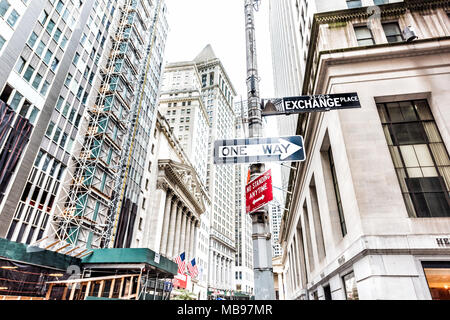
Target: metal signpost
262,246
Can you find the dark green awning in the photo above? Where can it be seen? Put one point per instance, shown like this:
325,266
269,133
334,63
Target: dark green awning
37,256
130,256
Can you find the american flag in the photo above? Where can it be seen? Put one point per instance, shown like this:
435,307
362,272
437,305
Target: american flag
193,271
181,263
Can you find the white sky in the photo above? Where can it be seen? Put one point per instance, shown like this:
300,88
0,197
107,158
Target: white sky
193,24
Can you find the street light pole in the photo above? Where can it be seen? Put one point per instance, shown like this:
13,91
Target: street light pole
262,246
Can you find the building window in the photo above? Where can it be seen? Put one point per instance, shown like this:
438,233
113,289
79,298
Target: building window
16,100
37,81
32,39
4,6
2,42
380,2
327,293
350,289
364,36
43,17
437,274
354,4
204,80
420,158
40,48
20,64
392,32
28,73
12,19
337,192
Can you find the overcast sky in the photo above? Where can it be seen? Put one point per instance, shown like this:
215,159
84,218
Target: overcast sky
193,24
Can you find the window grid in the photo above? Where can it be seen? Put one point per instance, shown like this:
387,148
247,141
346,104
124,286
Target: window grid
420,158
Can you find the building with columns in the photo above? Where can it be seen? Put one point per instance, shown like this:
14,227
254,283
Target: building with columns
181,103
173,200
218,94
369,213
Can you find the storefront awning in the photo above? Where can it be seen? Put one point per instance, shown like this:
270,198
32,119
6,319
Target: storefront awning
23,253
128,257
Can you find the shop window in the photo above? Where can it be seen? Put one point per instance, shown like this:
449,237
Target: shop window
350,289
437,275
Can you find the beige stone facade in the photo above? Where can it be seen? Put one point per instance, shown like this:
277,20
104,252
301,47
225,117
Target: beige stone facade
361,240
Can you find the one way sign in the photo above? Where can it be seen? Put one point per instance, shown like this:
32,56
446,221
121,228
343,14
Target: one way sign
279,149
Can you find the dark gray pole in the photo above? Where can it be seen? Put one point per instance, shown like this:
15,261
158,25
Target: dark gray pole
262,246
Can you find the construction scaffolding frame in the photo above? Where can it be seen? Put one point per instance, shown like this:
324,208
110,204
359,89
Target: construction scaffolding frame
84,214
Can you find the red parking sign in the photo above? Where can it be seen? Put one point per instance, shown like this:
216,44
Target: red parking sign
258,192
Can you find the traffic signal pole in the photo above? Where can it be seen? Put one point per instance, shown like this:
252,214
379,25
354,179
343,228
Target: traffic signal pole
261,236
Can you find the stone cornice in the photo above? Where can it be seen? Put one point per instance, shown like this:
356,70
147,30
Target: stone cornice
387,10
170,170
398,50
213,63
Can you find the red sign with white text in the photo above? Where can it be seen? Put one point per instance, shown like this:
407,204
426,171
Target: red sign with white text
180,281
258,192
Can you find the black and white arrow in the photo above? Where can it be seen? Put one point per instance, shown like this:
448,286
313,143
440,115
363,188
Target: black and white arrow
283,148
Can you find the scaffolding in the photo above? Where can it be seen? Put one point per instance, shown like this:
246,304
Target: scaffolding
87,211
121,182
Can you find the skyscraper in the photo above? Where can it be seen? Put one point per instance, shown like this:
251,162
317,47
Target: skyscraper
218,95
275,221
101,61
49,59
181,103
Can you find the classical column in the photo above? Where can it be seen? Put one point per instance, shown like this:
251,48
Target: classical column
171,236
182,243
217,267
176,244
192,234
280,286
154,216
187,240
225,272
228,273
211,269
221,270
166,223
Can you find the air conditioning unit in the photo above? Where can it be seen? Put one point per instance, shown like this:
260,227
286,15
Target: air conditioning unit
409,34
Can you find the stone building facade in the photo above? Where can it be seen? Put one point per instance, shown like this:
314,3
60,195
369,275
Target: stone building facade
369,216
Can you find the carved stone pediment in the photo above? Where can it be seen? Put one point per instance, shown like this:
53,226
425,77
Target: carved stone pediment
183,179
